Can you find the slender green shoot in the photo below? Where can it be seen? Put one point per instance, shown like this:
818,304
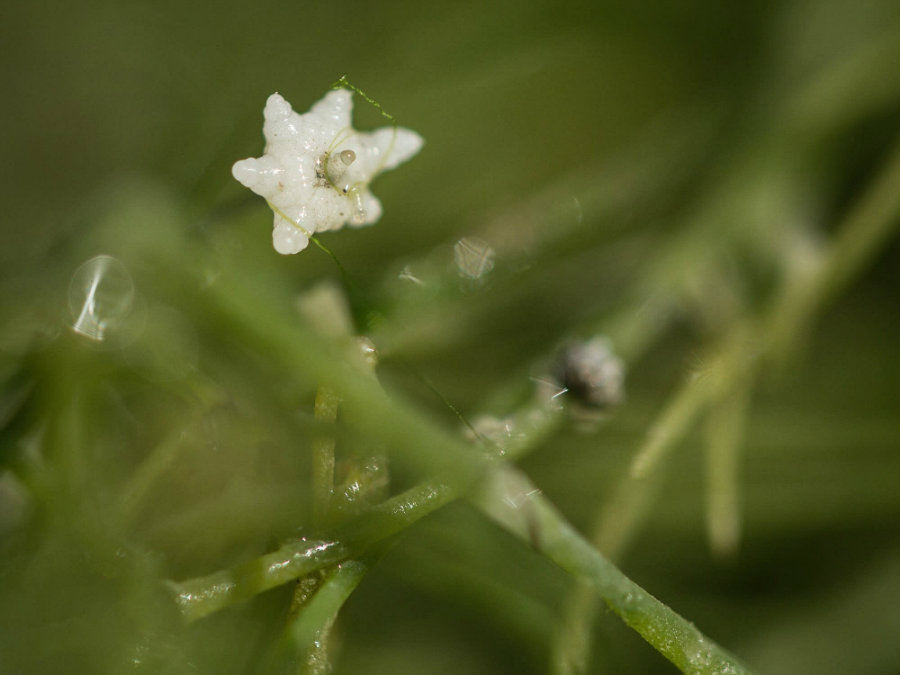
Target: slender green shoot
308,632
326,411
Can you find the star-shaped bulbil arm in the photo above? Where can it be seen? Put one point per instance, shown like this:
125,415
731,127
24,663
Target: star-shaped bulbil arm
316,169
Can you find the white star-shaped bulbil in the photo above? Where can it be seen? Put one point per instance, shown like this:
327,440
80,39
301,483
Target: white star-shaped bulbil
316,169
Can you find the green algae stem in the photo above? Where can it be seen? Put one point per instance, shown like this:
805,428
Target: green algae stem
201,596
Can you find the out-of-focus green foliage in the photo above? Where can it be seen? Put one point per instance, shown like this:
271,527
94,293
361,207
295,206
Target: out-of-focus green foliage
661,173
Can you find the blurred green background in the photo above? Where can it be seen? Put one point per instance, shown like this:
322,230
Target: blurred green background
616,155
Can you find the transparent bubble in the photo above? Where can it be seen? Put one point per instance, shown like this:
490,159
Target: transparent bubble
101,294
474,257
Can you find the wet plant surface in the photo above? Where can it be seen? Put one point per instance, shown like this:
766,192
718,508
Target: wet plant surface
610,386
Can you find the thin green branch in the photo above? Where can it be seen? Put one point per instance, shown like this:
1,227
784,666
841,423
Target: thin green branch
872,221
326,410
308,632
725,426
418,444
202,596
508,497
623,514
790,313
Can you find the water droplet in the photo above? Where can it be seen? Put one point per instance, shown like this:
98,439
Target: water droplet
100,296
474,257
